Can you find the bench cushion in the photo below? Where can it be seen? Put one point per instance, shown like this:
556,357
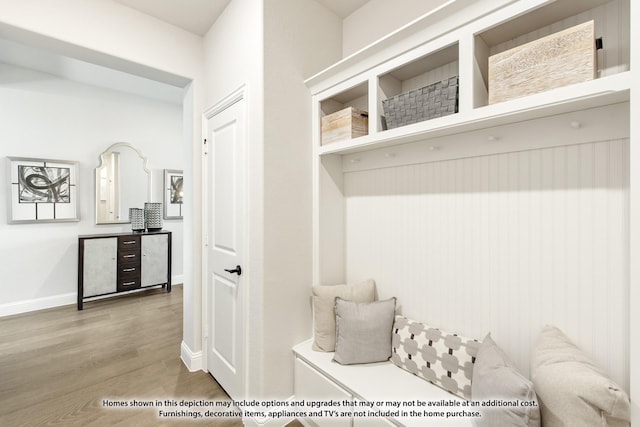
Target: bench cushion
442,358
378,382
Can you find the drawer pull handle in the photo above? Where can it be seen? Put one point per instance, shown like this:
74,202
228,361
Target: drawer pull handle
130,242
128,283
129,256
129,269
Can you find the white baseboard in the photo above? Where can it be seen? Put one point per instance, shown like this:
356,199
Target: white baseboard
192,360
266,421
37,304
25,306
177,280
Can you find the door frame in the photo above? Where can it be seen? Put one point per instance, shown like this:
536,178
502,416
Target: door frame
232,98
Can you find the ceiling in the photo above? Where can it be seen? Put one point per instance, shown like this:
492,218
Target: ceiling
197,16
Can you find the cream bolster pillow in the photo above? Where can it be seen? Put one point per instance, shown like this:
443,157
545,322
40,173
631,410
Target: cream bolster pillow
571,388
442,358
363,331
324,316
496,377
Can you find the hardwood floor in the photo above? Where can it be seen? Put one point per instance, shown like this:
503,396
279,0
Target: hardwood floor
57,366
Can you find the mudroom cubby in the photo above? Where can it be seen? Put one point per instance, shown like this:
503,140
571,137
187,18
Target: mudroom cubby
434,67
437,46
356,96
519,26
499,218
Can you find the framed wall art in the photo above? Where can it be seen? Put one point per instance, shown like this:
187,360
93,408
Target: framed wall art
43,190
173,193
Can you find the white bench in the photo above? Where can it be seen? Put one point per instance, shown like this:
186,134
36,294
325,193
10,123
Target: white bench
317,377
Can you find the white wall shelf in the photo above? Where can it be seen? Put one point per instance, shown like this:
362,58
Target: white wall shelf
595,93
464,51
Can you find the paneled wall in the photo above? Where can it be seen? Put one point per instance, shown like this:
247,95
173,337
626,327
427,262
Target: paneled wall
502,243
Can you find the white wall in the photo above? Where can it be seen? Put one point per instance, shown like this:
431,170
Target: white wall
301,38
503,243
272,54
634,244
45,116
377,18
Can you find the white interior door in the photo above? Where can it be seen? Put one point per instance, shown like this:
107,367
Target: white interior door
225,219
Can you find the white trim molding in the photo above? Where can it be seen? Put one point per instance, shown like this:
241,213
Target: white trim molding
25,306
192,360
226,102
267,421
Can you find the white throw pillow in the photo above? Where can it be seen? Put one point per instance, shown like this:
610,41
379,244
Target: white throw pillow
572,389
324,316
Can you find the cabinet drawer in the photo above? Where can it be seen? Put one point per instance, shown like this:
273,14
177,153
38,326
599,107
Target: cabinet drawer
129,248
128,283
126,273
312,385
129,257
128,242
128,276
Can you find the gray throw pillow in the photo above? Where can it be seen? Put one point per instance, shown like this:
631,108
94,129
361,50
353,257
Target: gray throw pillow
496,377
324,316
363,331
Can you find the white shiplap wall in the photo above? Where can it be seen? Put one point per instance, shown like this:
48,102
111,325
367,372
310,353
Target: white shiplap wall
503,243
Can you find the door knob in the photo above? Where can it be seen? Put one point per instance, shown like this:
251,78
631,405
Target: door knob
237,270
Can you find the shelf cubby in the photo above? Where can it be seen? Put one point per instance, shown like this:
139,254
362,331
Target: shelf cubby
611,21
434,67
356,96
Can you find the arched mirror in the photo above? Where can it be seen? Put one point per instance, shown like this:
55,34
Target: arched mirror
123,181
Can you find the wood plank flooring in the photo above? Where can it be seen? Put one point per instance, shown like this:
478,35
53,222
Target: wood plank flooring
58,365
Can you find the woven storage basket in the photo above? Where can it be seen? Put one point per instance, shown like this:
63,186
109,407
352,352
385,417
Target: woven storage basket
435,100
